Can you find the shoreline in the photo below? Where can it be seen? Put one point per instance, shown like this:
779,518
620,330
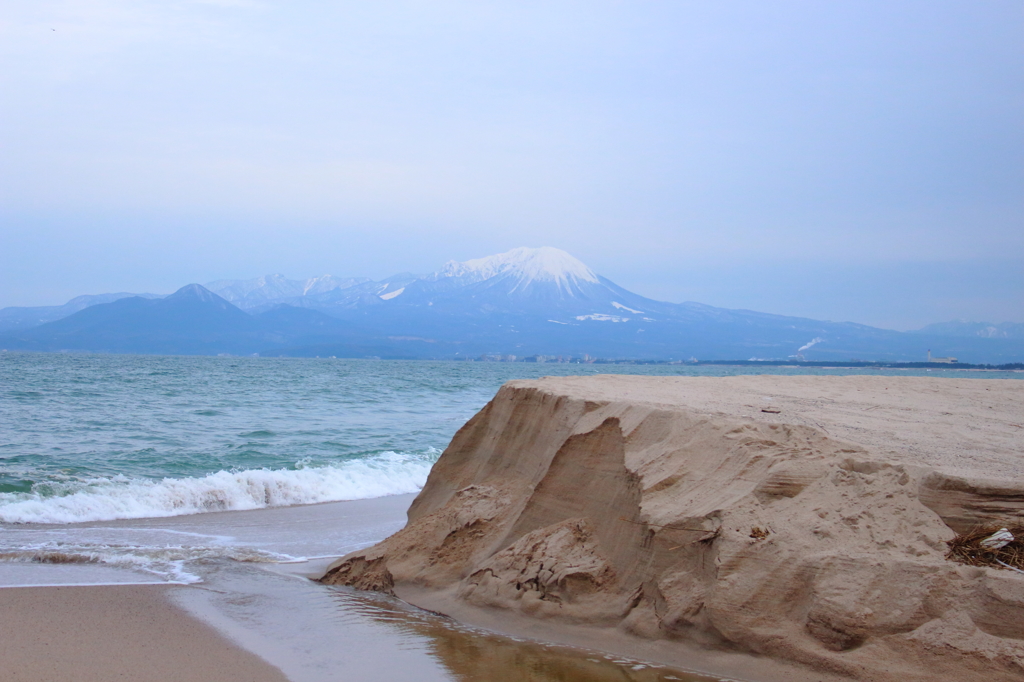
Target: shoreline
289,626
153,632
780,363
689,657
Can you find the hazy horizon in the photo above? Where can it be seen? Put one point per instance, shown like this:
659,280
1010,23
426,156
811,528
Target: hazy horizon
849,161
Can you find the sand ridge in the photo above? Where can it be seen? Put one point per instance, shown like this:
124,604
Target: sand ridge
800,519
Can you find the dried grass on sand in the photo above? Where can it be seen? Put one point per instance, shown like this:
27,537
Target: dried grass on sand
967,549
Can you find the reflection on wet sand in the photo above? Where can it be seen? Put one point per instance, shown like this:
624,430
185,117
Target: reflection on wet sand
472,655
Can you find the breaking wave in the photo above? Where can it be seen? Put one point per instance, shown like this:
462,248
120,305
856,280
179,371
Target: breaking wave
121,497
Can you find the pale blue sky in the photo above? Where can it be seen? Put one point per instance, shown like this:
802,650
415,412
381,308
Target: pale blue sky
841,160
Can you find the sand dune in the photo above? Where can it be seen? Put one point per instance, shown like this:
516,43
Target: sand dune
802,520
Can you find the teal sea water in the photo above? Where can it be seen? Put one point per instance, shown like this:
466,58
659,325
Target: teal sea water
101,437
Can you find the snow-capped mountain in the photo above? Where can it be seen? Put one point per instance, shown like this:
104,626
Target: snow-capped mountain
543,273
249,294
539,283
525,302
520,280
523,268
545,301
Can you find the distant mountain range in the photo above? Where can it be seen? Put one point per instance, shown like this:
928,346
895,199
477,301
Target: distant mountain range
253,294
15,318
984,330
535,303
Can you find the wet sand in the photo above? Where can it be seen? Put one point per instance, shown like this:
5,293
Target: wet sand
106,633
307,632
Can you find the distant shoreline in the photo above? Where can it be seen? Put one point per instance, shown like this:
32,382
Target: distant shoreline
825,364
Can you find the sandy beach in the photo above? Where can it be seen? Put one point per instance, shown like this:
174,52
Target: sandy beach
104,633
974,426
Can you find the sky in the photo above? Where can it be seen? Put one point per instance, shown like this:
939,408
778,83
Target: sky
851,161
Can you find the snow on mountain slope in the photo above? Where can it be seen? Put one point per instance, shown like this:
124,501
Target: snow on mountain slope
268,286
248,294
985,330
324,283
545,272
525,265
626,307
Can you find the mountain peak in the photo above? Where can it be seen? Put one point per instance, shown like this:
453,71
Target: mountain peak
195,292
544,264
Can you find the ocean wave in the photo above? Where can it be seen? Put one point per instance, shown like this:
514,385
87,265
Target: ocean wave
121,497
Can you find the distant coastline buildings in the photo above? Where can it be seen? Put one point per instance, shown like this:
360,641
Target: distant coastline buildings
945,361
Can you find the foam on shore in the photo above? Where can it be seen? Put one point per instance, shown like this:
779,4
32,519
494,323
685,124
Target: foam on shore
120,497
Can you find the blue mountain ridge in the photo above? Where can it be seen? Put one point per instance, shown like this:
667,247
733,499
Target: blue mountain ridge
19,317
526,302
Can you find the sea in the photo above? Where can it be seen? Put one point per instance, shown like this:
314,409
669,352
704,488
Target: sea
240,478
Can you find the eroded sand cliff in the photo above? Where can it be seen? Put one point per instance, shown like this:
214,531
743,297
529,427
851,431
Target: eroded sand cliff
800,519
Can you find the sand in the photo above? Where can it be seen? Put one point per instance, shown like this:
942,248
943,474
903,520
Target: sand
799,522
974,426
106,633
310,632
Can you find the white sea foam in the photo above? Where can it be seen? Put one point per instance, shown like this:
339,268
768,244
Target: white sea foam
106,499
169,563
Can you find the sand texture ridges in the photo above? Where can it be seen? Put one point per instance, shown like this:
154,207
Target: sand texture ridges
802,519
